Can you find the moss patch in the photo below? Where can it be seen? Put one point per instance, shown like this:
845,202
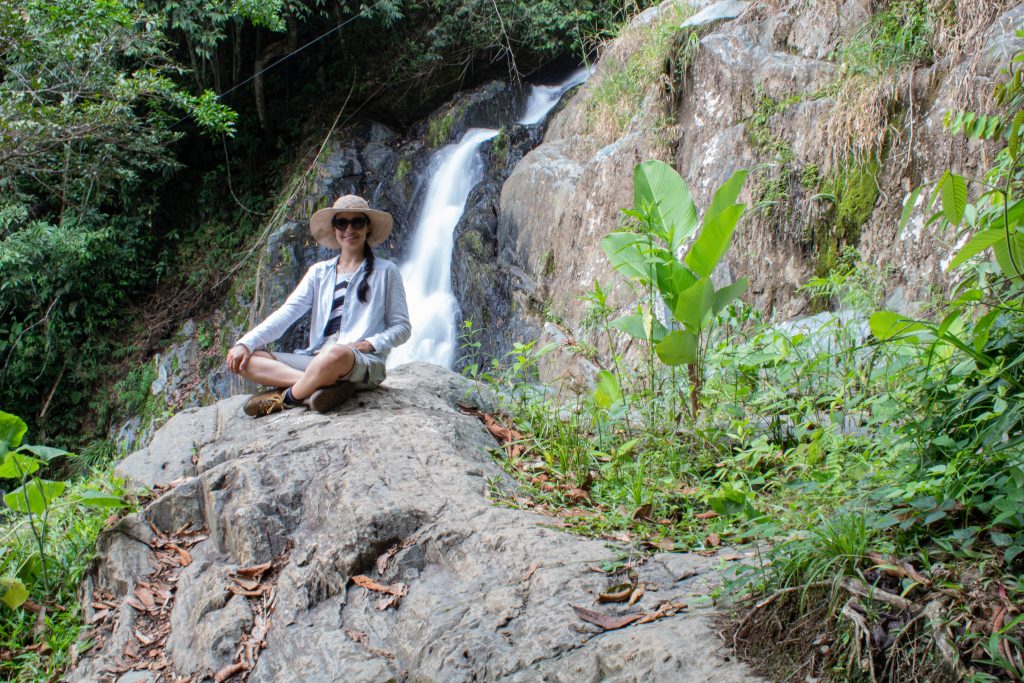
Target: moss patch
855,192
403,169
440,128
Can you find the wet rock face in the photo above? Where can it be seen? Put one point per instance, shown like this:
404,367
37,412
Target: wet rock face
395,487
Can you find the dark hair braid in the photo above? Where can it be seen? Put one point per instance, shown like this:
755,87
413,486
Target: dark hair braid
364,286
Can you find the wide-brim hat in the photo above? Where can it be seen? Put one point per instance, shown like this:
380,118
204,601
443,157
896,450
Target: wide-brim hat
323,232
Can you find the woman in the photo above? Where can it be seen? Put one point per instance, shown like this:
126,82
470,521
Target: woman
359,315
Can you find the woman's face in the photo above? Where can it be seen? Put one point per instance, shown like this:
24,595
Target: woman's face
351,228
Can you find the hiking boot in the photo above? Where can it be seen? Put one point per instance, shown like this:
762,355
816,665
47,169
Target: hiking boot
266,403
324,399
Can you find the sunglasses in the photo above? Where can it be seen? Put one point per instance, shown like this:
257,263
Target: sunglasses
357,223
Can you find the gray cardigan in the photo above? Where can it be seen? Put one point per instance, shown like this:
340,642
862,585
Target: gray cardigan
383,320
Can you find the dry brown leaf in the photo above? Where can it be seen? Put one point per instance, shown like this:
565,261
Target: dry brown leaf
665,609
255,570
604,621
99,616
246,582
706,515
665,544
143,638
638,593
229,671
643,512
143,593
577,495
398,589
713,540
530,572
184,557
617,593
136,603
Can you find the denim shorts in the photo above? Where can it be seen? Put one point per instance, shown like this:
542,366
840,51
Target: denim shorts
367,372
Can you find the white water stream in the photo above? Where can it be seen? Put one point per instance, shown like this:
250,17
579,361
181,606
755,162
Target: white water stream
453,171
427,275
543,98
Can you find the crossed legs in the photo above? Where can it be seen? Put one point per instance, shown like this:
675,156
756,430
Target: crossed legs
327,367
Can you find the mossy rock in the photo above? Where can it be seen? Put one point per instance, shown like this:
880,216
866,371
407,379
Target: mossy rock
855,192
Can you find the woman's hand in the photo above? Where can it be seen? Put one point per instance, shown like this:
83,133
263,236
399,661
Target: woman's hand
363,346
238,358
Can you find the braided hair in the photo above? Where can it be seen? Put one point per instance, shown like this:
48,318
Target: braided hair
364,286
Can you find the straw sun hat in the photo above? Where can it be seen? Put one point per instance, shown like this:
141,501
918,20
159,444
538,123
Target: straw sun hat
323,231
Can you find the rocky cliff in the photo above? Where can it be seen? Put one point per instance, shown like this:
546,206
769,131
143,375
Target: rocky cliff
836,141
365,545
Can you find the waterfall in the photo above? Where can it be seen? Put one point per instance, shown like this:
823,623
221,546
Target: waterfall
453,171
543,98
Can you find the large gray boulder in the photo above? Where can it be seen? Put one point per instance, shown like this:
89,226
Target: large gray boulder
396,486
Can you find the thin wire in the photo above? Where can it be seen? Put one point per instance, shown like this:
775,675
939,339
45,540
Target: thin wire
291,54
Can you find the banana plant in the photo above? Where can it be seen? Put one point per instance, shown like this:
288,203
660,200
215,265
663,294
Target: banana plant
653,257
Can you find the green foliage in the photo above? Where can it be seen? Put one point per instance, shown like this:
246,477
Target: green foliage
35,497
48,532
901,35
617,98
667,218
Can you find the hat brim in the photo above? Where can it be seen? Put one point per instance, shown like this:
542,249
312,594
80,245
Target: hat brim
381,223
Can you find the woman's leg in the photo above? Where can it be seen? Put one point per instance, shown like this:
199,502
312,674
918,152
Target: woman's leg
327,367
264,369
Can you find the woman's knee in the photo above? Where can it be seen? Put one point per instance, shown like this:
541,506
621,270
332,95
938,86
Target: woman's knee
336,354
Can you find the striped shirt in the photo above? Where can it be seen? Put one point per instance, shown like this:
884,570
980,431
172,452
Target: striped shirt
334,320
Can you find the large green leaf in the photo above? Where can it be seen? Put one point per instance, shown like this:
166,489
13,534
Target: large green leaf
678,348
47,453
977,244
673,277
12,429
661,191
953,189
1010,266
886,325
725,196
627,253
725,295
17,465
607,390
14,592
98,499
693,305
640,326
35,496
713,241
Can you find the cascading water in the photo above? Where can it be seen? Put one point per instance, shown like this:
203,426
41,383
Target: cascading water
453,171
543,98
